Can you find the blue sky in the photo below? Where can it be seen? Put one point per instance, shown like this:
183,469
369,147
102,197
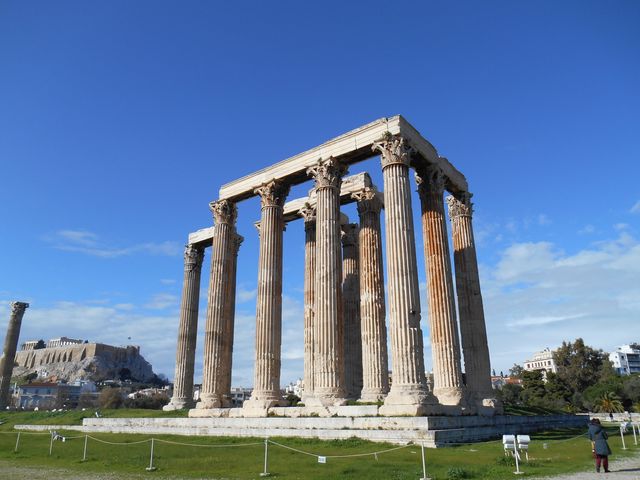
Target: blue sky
119,121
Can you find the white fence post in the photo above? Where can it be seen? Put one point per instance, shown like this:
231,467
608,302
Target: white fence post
424,465
15,450
51,445
624,447
84,453
151,468
266,457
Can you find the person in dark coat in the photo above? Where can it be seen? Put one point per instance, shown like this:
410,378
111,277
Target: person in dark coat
599,445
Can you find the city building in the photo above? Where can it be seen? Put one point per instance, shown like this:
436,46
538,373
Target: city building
626,359
541,361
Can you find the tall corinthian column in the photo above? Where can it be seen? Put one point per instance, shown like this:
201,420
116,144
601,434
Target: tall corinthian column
445,346
408,394
187,331
217,335
9,351
266,385
328,349
308,212
351,299
473,332
375,375
230,317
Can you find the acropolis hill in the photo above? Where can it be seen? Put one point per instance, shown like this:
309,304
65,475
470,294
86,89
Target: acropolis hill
69,359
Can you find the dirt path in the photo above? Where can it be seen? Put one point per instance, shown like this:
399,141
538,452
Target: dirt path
626,468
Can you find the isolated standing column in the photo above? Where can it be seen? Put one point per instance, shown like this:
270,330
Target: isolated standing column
308,213
9,351
473,332
351,299
445,345
408,394
187,331
328,350
217,335
266,386
375,364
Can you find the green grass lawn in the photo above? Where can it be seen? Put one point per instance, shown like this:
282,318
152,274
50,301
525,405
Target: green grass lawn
229,458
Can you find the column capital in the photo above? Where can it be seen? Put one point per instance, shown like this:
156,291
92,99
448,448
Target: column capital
193,256
350,234
308,213
272,193
18,307
224,211
368,200
431,179
393,149
236,241
460,205
327,173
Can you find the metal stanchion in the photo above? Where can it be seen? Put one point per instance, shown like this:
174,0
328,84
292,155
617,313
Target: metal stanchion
15,450
84,453
624,447
151,468
517,457
635,439
51,444
266,457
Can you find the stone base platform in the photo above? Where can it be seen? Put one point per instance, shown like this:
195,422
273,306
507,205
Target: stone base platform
430,431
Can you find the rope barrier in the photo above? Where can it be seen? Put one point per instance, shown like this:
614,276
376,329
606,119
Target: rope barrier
375,454
205,445
119,443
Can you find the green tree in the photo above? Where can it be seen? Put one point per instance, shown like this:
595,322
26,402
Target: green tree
40,345
631,388
111,398
580,366
609,403
533,388
516,371
510,394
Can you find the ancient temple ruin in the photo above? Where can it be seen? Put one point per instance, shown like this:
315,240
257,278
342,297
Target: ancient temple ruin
346,320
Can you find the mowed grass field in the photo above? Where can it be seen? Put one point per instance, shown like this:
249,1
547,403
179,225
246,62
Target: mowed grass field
243,458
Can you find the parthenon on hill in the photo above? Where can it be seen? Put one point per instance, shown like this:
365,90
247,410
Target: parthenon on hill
346,321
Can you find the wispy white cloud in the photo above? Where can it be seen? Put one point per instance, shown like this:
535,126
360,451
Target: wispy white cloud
587,230
536,296
636,207
245,295
167,281
160,301
89,243
543,220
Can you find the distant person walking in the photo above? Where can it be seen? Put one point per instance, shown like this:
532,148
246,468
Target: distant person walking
599,445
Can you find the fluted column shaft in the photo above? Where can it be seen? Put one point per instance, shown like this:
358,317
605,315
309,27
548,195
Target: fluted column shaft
445,345
351,302
9,351
266,385
188,330
375,375
473,331
408,392
328,348
309,215
230,318
217,335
